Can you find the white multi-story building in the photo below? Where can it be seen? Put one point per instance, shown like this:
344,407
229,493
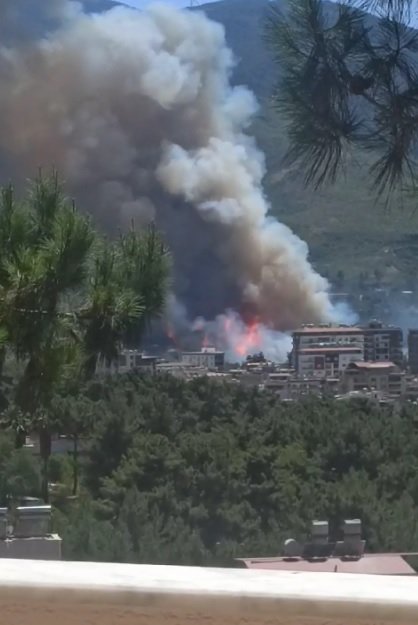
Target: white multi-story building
326,350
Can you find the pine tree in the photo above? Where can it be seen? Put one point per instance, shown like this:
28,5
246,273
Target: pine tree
67,298
348,81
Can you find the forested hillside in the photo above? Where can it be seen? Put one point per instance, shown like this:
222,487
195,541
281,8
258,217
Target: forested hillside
346,228
200,473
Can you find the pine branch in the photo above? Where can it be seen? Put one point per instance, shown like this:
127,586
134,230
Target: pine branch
328,66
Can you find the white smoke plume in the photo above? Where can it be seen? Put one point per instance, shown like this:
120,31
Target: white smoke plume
136,110
239,339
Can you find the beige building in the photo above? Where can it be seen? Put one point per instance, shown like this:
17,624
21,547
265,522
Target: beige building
326,350
384,377
323,362
207,357
290,387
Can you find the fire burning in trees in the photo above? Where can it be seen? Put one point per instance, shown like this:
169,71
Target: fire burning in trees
229,333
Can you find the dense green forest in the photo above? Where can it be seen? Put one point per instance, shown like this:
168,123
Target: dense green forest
201,472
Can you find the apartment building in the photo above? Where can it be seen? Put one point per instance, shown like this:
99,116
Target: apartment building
289,387
383,343
207,357
327,361
384,377
413,351
326,350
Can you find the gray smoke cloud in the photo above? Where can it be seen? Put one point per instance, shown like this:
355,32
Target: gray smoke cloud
136,111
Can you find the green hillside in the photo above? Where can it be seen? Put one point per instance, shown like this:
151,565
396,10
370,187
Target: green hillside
344,226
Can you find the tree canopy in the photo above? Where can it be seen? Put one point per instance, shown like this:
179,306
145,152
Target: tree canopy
202,472
67,298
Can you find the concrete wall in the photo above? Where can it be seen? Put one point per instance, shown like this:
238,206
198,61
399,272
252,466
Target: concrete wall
39,548
64,593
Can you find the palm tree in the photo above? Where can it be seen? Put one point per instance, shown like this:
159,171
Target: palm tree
348,82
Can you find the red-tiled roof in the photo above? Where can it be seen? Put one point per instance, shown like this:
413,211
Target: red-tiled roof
371,564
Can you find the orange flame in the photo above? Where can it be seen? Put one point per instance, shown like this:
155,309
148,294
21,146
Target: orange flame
247,338
250,341
170,333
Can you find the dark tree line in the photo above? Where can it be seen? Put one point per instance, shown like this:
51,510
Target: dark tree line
201,472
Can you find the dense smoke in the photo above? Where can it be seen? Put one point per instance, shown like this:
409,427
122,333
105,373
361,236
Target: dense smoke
136,111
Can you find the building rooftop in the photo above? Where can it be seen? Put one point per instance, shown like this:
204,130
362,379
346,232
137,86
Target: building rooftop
370,564
205,351
387,364
331,348
129,594
329,330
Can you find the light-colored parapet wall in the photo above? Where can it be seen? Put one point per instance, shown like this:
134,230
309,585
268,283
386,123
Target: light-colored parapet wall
69,593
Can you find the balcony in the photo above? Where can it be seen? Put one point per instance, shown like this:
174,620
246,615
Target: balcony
69,593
